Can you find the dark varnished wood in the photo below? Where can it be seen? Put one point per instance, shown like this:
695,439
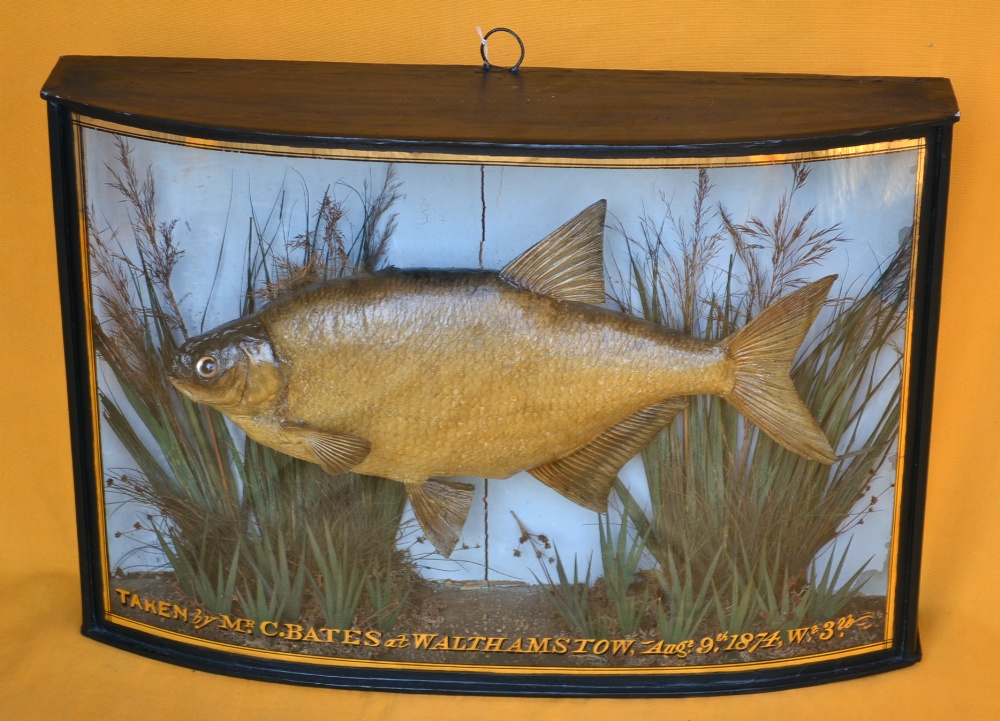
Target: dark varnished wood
540,112
465,109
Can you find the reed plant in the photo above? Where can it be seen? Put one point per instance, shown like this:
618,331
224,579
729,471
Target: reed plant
574,599
743,514
239,522
621,555
617,604
682,605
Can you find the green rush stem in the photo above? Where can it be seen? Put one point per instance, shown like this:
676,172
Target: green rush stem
215,448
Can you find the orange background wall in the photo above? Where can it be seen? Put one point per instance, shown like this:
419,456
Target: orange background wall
47,670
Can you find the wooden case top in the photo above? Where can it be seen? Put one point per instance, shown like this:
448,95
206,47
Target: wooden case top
463,109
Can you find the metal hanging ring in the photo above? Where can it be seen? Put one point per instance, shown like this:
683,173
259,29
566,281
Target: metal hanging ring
486,60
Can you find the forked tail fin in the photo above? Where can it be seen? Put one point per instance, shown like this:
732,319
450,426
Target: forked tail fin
763,352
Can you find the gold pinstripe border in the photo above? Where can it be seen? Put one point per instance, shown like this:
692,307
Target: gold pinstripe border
918,144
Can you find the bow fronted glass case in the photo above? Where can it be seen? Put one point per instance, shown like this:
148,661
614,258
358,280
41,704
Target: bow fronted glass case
450,379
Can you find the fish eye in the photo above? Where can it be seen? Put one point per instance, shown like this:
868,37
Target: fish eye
207,367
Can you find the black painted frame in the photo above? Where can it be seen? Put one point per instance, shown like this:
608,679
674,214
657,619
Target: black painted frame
108,89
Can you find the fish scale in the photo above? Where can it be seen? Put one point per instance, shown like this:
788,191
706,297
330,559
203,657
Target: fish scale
476,377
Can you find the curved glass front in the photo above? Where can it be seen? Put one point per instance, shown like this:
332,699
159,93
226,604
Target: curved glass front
696,469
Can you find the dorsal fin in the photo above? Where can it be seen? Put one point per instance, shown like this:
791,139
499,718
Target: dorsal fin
586,475
568,263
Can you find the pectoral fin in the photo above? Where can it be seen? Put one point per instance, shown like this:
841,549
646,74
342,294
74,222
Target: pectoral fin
568,263
586,475
334,452
441,508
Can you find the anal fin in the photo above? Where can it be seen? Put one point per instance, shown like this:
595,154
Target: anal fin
441,508
334,452
586,475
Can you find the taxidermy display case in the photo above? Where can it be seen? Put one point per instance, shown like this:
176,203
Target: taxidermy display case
455,379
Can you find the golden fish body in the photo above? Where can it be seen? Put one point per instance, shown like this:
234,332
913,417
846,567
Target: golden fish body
463,374
419,375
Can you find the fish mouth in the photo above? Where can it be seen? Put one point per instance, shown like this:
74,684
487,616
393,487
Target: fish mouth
182,388
182,381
